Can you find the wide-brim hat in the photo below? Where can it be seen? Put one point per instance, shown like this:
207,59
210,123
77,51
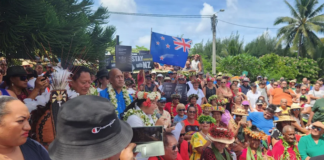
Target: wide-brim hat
221,134
284,118
217,109
167,78
16,71
240,112
295,106
24,63
85,126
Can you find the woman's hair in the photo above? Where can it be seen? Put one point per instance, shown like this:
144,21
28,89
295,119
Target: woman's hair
191,106
231,85
137,102
36,116
180,105
291,113
3,101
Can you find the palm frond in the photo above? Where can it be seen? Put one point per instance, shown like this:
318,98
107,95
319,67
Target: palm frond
285,29
312,26
318,18
316,11
309,7
293,11
296,38
288,20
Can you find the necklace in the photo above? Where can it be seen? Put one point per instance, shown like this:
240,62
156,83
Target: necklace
203,134
286,146
172,114
112,95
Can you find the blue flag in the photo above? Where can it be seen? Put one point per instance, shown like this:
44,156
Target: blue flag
169,50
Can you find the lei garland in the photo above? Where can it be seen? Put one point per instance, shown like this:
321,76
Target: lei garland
112,95
145,119
286,146
204,118
172,115
250,156
93,91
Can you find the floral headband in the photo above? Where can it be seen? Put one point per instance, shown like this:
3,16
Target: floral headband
193,95
148,96
210,79
203,118
221,133
255,134
206,105
211,98
195,81
222,101
178,96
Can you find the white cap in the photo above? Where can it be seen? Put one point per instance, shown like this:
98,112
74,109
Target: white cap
277,110
159,75
153,72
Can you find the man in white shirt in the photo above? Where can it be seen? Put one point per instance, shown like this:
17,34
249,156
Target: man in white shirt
315,94
196,90
195,64
252,96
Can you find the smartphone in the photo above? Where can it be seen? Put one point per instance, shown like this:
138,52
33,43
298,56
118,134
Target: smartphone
147,134
149,141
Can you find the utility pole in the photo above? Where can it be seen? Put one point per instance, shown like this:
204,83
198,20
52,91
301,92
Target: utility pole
213,26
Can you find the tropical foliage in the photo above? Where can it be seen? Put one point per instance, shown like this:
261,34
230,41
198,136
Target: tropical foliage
300,31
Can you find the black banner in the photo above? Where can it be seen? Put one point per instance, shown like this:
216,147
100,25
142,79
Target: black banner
182,90
139,62
124,57
168,89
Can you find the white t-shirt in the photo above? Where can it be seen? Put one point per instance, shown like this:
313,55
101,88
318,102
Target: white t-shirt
319,94
190,84
194,65
199,92
253,97
131,91
32,82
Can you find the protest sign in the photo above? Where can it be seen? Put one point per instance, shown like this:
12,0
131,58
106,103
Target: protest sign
168,89
144,53
182,90
123,57
139,62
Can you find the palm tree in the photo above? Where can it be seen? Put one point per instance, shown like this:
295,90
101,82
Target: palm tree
301,28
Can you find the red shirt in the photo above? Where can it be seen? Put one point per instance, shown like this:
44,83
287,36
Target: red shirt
278,151
168,108
161,158
198,109
140,80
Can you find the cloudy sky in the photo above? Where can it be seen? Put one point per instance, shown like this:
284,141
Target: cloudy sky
135,30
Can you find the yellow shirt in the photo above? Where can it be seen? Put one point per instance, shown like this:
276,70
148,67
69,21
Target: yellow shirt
284,111
197,140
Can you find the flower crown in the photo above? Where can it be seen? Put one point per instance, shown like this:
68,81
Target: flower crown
211,98
206,105
255,134
193,95
210,79
148,96
175,95
195,81
203,118
221,133
222,101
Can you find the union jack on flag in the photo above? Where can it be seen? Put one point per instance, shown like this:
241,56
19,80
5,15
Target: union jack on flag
169,50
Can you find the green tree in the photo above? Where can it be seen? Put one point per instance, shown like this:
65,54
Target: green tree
301,27
139,48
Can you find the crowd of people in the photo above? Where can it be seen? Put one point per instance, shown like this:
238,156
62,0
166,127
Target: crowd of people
223,118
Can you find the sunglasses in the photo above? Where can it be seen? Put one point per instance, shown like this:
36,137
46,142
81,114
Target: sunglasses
317,128
275,85
296,109
205,122
303,89
181,110
238,116
174,147
181,79
192,111
182,134
23,78
223,82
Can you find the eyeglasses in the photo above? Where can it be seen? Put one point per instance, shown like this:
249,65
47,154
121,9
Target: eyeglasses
181,110
192,111
296,109
205,122
317,128
275,85
23,78
182,134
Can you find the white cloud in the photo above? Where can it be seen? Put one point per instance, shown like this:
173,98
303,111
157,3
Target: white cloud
205,22
144,41
231,4
120,5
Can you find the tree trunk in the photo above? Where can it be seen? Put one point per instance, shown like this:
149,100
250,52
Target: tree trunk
299,46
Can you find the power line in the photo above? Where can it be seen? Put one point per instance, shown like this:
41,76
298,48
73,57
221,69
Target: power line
185,16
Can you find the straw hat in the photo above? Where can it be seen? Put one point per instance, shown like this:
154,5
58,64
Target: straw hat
25,63
217,109
295,106
284,118
255,133
240,111
221,134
